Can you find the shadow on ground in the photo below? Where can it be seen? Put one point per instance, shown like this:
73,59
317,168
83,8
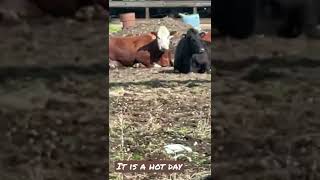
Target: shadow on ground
266,118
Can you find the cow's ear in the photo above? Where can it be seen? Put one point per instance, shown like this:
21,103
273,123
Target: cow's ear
202,34
173,33
154,35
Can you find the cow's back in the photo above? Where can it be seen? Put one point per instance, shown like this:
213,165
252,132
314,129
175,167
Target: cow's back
124,49
182,57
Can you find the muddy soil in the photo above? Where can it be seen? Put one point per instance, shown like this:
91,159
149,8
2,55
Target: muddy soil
151,108
53,100
266,109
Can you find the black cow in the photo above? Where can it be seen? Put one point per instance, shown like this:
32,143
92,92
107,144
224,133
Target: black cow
201,62
192,53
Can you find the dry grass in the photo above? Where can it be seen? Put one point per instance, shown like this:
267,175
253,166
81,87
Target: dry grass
150,109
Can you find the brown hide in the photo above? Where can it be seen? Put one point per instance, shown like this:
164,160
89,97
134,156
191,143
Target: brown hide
206,36
138,49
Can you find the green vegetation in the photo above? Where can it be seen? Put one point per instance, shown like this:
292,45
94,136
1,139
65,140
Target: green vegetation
113,28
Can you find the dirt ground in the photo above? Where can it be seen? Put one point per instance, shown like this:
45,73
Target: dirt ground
53,100
151,108
53,107
266,109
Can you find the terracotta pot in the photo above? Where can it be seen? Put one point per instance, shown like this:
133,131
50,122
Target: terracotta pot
128,20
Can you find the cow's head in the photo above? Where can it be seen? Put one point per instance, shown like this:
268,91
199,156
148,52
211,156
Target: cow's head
163,38
194,40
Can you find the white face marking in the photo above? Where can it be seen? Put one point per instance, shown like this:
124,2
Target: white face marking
163,38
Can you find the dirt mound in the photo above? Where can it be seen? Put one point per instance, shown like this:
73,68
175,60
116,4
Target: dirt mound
153,25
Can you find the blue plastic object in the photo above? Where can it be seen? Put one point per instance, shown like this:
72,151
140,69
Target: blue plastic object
192,19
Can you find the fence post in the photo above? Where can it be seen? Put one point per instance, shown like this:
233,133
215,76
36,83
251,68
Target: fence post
147,13
194,10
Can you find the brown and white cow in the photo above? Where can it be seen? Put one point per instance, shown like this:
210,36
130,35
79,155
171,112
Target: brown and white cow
148,49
